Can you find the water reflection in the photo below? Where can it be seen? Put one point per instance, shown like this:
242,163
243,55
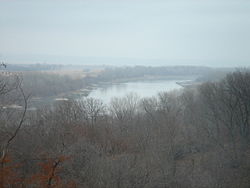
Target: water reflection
141,88
120,87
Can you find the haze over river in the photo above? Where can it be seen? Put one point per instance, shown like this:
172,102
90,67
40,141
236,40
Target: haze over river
141,88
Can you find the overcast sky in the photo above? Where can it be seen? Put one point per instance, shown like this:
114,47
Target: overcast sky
173,30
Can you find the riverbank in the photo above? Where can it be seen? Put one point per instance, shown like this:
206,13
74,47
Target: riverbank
84,92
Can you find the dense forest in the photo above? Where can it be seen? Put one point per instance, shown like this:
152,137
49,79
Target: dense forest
195,137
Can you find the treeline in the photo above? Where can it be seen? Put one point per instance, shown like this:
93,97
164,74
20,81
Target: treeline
190,138
47,84
40,84
32,67
144,71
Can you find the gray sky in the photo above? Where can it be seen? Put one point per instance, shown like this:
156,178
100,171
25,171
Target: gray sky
181,31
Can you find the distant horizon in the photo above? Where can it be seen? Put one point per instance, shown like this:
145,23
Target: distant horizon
115,61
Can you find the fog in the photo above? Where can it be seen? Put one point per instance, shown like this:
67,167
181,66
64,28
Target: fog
143,32
124,93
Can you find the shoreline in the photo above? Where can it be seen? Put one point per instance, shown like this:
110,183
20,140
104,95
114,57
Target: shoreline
37,102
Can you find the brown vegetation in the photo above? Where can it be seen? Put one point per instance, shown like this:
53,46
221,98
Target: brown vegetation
193,138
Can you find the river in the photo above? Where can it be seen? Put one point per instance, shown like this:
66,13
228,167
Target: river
141,88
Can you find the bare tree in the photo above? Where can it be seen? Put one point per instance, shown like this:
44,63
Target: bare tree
7,87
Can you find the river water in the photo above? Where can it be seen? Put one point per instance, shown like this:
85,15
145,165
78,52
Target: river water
141,88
